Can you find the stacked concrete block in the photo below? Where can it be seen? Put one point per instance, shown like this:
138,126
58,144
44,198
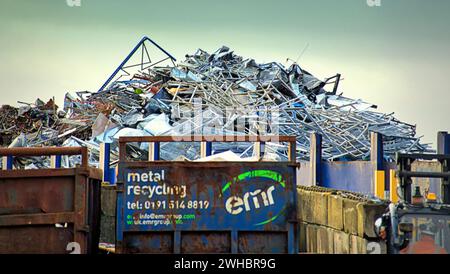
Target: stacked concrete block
320,207
367,215
341,242
325,240
108,214
337,222
300,203
358,245
350,216
307,210
311,238
335,212
331,244
302,230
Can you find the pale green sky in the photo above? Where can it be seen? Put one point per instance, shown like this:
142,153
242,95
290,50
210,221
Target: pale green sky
395,56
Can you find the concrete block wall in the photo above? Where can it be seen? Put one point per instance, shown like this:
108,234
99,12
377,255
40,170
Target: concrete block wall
108,214
337,222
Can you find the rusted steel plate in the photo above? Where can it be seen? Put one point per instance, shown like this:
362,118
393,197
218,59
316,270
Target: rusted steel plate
42,151
45,194
33,173
35,239
48,210
36,219
263,242
92,173
205,242
157,242
46,151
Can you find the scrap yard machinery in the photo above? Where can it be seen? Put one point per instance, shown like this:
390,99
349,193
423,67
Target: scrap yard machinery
420,222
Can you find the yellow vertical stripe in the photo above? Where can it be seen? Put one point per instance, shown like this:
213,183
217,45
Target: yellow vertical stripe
53,161
393,183
379,183
4,162
102,160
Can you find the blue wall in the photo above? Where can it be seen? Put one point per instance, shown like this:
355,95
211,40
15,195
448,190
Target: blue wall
354,176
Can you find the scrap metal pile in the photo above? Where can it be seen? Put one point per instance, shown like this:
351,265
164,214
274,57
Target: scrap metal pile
225,87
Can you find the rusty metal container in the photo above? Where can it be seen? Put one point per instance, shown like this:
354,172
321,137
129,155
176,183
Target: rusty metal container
206,207
49,210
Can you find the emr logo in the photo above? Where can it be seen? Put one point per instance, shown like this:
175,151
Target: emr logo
255,200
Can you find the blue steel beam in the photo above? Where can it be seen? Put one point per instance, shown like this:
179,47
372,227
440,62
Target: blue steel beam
208,148
9,162
157,148
106,163
316,159
120,67
58,160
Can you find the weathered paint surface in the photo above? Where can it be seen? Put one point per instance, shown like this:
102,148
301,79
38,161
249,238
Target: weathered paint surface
209,207
354,176
303,174
43,211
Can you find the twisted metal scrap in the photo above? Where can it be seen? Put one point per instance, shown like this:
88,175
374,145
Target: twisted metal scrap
224,80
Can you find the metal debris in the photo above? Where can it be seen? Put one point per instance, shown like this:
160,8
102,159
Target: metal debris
154,100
